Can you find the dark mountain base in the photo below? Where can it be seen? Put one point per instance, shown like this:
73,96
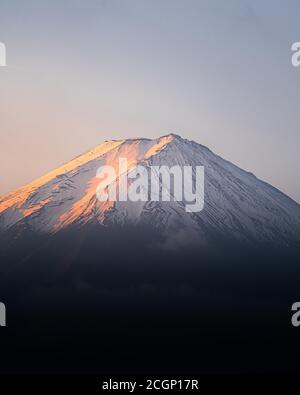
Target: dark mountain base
109,301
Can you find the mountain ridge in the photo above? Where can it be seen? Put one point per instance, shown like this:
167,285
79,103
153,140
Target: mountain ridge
237,203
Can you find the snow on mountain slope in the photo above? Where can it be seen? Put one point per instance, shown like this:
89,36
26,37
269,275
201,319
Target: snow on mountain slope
237,204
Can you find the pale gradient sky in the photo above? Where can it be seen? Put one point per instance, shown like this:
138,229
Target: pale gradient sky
83,71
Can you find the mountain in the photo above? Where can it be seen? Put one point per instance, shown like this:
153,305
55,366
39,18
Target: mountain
97,286
237,205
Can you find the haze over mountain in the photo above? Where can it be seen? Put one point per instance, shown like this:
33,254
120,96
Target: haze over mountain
237,204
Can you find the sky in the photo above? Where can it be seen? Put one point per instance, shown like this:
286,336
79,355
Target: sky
83,71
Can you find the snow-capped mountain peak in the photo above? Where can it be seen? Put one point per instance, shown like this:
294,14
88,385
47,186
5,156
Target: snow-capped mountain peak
237,204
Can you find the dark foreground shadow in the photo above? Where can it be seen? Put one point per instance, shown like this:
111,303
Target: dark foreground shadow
116,301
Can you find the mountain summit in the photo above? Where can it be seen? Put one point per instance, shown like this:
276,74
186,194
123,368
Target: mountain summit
237,204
